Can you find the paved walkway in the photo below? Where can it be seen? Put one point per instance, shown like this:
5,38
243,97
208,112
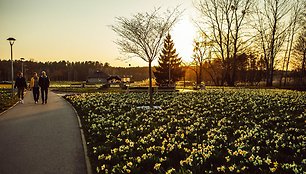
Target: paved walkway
41,139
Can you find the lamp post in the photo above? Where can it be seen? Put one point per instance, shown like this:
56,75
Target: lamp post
22,59
11,41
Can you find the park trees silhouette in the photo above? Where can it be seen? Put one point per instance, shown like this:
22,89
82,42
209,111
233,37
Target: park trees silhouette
142,36
222,22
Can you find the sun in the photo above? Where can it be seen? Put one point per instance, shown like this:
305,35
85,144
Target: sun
183,35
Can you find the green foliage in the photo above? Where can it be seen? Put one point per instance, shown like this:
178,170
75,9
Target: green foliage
169,63
215,131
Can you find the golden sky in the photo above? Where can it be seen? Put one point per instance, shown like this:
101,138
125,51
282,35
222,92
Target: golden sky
78,30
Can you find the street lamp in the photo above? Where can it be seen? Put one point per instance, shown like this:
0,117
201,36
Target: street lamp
22,59
11,41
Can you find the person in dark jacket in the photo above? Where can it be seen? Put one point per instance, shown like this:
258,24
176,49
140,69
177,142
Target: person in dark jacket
44,83
21,85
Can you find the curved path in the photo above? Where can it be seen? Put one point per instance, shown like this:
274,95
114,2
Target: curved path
41,139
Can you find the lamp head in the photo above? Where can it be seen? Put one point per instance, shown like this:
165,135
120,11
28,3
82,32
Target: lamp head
11,40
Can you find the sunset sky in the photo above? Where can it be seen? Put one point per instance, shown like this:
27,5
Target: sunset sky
78,30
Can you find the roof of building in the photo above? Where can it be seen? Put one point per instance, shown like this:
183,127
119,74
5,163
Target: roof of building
114,78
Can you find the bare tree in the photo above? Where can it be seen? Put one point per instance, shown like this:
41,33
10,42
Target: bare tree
300,54
223,21
272,25
201,54
142,36
297,8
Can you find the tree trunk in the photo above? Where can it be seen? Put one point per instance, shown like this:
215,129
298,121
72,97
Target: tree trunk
267,76
150,84
272,47
283,68
228,74
234,69
223,74
289,54
234,65
200,74
197,77
233,74
270,77
270,73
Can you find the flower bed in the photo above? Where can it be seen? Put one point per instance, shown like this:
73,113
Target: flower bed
215,131
5,99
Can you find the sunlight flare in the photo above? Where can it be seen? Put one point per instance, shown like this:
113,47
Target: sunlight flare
183,35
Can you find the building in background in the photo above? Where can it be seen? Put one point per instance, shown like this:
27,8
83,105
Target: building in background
98,77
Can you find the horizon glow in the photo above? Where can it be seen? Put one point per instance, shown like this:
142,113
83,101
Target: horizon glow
76,30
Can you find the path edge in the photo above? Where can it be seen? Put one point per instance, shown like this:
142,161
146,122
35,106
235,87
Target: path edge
87,161
3,112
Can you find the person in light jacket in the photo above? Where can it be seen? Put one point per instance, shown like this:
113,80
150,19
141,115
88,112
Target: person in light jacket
44,83
21,85
35,87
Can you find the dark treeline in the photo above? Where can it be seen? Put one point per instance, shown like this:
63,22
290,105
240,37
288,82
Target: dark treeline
69,71
250,72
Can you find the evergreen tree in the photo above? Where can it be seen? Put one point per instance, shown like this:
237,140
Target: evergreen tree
169,64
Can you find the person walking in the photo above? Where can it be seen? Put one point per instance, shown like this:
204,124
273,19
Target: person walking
35,87
21,85
44,83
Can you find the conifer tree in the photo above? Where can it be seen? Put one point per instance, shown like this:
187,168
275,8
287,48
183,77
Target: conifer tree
168,71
